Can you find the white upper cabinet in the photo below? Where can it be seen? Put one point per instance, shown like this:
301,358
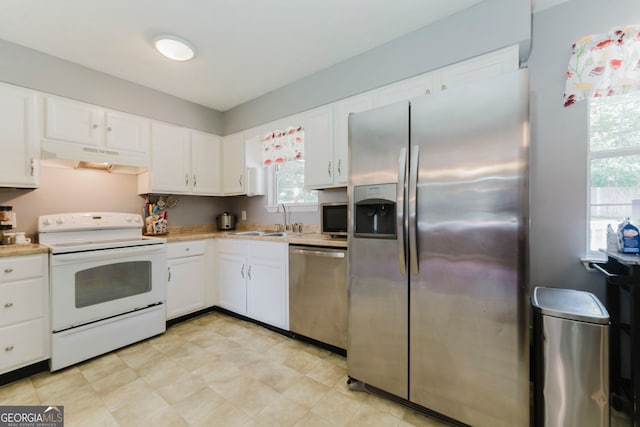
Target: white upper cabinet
318,147
126,132
103,135
169,171
72,121
461,73
18,142
233,164
341,111
480,68
424,84
183,161
206,176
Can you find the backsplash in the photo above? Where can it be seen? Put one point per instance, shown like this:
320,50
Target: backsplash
83,190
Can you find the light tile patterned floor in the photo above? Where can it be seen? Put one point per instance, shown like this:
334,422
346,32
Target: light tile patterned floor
213,370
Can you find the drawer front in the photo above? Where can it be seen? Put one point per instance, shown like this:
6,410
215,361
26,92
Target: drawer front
22,300
233,246
274,250
22,344
183,249
22,267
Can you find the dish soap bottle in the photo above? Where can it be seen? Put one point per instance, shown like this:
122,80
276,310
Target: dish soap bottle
629,238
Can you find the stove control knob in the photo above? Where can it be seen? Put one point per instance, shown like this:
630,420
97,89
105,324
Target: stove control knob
60,221
47,221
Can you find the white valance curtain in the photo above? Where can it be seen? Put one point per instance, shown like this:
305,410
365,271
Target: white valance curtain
283,146
604,65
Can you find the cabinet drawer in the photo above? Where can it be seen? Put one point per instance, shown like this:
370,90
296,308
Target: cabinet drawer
22,267
183,249
233,246
22,344
274,250
23,300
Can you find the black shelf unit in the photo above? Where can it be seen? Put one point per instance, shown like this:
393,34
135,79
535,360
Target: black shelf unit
622,276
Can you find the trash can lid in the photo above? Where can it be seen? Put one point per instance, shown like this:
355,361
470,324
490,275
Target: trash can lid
569,304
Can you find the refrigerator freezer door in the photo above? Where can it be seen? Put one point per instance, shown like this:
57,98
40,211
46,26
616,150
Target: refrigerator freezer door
469,356
377,351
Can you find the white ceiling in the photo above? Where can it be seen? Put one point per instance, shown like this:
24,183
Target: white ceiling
246,48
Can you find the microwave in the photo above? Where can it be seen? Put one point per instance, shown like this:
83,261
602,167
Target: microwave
333,219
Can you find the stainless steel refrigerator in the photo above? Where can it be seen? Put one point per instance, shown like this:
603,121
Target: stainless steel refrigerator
438,224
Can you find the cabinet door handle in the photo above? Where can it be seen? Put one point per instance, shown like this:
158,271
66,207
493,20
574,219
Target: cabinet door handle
95,126
8,270
444,87
242,271
168,274
194,181
329,168
33,167
109,129
9,348
427,92
240,180
249,272
186,179
8,305
339,167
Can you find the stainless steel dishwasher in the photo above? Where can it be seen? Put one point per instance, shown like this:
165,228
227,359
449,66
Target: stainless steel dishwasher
318,293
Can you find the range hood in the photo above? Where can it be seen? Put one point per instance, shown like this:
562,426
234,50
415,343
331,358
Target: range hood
69,154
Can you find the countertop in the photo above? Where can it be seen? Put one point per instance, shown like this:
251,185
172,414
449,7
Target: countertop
629,259
197,232
311,237
16,250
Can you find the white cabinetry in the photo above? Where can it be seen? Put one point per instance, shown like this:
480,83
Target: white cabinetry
103,135
341,111
186,284
268,283
233,164
318,147
232,274
182,162
253,279
18,142
24,311
475,69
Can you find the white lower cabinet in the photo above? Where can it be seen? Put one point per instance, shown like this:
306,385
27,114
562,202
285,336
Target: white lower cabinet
24,311
253,279
186,285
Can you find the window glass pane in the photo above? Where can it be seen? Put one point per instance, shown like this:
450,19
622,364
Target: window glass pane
289,181
615,122
615,182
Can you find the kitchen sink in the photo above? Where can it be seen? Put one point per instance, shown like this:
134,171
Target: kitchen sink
250,233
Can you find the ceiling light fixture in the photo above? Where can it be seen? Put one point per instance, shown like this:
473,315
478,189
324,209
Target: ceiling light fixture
174,48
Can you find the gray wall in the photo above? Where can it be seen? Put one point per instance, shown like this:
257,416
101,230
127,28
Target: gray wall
487,26
560,142
29,68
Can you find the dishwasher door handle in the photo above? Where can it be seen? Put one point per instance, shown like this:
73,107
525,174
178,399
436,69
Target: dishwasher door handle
325,254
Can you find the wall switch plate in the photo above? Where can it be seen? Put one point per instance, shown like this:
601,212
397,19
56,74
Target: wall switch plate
244,215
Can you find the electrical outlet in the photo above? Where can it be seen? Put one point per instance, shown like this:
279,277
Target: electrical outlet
244,215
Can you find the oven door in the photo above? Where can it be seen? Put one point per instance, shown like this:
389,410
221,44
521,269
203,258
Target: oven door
94,285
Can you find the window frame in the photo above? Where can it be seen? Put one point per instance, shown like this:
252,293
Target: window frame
596,155
272,206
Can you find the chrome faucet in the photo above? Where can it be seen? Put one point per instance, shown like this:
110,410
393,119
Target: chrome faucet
284,209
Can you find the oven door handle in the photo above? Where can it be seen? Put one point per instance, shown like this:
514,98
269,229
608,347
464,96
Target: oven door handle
107,254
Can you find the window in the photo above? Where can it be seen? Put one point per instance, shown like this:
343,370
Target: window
283,154
289,184
614,163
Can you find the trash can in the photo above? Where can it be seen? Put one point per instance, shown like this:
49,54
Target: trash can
571,358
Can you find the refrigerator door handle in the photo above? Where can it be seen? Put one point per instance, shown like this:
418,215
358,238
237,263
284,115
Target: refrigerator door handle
413,202
400,193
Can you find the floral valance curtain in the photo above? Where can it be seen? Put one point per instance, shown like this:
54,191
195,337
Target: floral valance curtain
604,65
283,146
